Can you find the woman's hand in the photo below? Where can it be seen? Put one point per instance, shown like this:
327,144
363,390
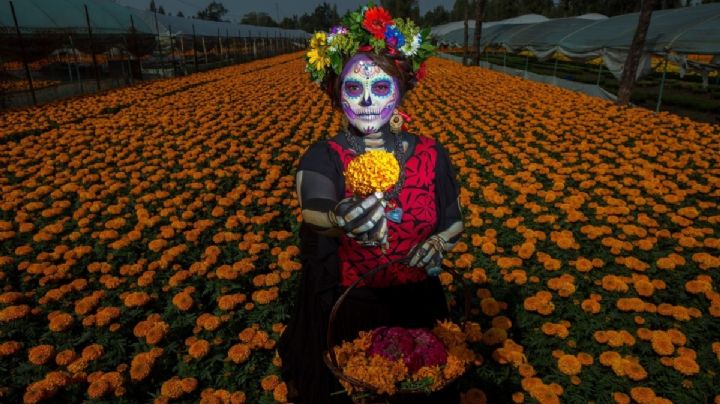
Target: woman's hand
362,219
428,255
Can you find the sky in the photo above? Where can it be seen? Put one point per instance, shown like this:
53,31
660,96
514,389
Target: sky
284,8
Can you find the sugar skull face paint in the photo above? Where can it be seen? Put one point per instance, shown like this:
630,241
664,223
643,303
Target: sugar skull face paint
368,95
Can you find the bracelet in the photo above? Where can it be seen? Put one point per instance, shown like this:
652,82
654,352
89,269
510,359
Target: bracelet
438,243
331,218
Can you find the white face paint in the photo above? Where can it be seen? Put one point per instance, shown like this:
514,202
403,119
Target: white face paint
368,94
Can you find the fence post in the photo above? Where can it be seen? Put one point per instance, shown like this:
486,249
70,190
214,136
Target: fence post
245,47
24,57
220,47
92,47
135,45
129,77
662,85
77,65
237,48
254,46
229,47
182,52
204,49
162,59
172,50
195,49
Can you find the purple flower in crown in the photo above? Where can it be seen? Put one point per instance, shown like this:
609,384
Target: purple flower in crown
339,30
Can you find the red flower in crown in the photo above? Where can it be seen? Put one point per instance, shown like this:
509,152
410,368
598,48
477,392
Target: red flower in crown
376,21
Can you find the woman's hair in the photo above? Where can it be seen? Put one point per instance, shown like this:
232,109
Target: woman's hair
394,65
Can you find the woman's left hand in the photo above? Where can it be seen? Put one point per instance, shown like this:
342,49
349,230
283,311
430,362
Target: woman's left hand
428,255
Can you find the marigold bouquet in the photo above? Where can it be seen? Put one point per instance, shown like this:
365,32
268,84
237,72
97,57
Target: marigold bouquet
372,171
396,360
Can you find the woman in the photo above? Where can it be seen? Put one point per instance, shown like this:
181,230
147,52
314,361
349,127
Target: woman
344,236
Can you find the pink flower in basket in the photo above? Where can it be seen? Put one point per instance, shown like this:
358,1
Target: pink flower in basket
417,346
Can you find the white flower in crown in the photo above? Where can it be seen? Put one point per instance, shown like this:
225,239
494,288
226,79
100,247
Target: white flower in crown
411,47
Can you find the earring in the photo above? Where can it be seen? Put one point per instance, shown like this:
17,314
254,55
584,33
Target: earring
396,122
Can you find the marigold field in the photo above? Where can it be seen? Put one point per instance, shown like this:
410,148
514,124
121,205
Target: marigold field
149,248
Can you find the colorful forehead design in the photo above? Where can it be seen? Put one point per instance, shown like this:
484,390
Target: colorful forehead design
361,65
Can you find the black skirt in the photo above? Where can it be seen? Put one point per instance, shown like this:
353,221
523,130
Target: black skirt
302,343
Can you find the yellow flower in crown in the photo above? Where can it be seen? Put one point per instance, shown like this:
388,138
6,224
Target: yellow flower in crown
372,171
318,56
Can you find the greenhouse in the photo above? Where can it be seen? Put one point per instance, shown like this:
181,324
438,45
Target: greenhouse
674,33
69,47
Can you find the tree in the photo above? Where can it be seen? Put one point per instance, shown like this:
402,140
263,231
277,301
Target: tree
437,16
213,12
161,10
152,6
542,7
180,14
458,11
479,15
259,19
402,8
322,18
627,81
290,23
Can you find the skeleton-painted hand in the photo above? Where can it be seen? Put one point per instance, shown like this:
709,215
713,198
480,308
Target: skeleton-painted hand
362,219
428,255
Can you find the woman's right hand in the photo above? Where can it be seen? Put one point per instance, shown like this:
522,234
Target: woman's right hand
362,219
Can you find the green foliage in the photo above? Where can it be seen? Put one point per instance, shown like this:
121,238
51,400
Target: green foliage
213,12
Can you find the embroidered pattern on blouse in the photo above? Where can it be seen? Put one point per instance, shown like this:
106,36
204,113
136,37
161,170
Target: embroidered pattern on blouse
417,199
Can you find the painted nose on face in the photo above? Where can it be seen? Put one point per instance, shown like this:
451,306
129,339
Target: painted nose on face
366,101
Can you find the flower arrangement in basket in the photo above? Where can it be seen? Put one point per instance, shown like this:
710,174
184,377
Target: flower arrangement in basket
396,361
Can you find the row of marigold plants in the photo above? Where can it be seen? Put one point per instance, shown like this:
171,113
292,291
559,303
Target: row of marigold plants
149,238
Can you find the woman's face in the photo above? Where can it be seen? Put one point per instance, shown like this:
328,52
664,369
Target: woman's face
368,94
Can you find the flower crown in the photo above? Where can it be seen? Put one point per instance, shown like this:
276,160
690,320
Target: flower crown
370,29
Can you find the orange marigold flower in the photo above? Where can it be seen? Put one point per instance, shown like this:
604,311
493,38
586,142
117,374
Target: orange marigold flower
98,388
473,396
9,347
686,365
92,352
569,365
239,353
372,171
269,382
39,355
621,398
661,343
280,393
643,395
199,349
60,321
183,301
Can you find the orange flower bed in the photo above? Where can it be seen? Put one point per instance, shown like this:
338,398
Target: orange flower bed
148,238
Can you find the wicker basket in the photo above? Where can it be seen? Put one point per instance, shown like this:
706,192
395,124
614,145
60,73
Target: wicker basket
366,393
